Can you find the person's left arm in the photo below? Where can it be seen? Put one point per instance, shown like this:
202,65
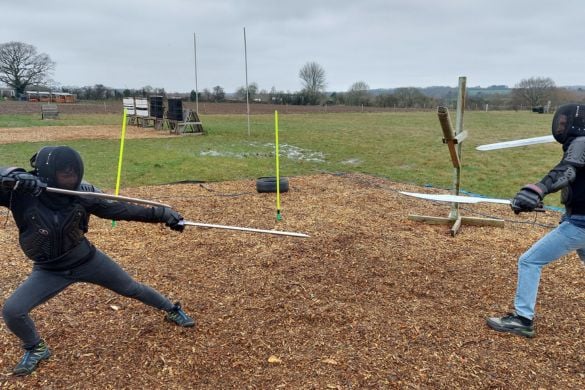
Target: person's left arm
564,173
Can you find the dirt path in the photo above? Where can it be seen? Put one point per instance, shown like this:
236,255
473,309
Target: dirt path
60,133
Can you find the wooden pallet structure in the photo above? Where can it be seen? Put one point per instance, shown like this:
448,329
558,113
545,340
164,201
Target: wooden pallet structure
130,108
143,118
454,140
191,124
49,111
174,118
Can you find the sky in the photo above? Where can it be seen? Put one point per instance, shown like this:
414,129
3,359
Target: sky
385,43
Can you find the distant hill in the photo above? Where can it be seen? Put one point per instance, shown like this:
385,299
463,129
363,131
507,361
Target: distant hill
444,91
575,87
495,89
381,91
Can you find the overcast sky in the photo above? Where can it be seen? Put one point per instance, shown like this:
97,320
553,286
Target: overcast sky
386,43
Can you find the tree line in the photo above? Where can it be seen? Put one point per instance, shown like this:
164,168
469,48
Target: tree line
23,68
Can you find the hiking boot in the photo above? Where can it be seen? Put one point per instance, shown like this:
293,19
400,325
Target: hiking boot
31,359
512,323
179,317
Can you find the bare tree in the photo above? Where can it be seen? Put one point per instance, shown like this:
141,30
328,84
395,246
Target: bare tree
313,77
535,91
252,91
21,66
207,95
358,93
411,97
218,94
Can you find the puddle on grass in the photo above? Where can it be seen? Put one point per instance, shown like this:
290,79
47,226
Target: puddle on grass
267,151
352,161
215,153
296,153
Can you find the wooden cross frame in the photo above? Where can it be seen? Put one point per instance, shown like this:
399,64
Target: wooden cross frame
454,139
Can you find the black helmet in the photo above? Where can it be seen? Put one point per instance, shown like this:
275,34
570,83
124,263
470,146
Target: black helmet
569,122
63,159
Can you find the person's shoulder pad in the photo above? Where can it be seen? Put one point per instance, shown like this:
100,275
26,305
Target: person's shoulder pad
88,187
575,154
5,171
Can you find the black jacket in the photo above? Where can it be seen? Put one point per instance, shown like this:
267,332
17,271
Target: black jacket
52,227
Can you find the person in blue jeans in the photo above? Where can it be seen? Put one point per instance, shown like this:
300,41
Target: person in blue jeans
51,232
568,128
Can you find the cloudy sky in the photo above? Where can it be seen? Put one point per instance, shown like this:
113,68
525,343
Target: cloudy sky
386,43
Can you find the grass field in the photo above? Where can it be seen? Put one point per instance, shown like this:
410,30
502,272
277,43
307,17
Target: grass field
405,147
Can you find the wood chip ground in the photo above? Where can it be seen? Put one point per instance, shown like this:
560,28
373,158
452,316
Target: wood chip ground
370,300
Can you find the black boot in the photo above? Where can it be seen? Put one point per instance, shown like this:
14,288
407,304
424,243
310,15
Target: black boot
179,317
31,359
512,323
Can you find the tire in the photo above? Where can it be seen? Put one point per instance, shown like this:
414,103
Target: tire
268,184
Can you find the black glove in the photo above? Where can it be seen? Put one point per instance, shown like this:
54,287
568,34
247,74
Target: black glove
7,183
171,218
28,184
528,198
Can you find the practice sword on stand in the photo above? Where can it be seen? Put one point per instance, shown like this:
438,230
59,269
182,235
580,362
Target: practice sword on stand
460,199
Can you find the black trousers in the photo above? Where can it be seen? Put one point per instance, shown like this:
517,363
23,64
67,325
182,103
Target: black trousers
42,285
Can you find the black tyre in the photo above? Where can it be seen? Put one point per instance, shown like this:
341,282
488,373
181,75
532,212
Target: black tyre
268,184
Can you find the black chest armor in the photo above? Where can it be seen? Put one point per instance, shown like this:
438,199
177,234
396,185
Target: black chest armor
50,227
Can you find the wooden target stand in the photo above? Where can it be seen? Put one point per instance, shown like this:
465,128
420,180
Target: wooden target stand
454,141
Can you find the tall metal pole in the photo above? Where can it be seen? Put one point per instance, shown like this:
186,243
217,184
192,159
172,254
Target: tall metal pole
196,86
247,90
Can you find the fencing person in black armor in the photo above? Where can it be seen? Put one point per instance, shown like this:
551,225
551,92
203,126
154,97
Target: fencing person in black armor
568,128
52,231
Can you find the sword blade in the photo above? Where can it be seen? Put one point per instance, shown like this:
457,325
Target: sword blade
278,232
455,198
516,143
120,198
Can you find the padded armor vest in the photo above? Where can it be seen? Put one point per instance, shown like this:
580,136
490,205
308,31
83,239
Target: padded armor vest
51,233
574,196
52,238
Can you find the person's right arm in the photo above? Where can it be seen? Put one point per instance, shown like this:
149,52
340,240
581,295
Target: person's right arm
122,211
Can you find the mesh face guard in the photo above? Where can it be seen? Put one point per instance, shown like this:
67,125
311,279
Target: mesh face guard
568,122
53,159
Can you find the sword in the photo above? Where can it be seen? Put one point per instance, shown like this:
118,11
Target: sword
519,142
120,198
463,199
278,232
455,198
12,184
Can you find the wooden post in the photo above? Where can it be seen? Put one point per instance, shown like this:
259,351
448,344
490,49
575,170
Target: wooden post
448,134
458,131
454,139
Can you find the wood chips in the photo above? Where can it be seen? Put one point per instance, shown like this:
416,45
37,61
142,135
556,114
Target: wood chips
371,300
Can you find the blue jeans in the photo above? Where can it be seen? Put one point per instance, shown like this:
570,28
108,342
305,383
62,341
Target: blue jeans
565,238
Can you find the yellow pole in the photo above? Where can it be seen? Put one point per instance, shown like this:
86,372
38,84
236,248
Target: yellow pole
122,137
278,216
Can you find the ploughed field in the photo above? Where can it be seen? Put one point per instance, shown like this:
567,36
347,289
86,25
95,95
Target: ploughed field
205,108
